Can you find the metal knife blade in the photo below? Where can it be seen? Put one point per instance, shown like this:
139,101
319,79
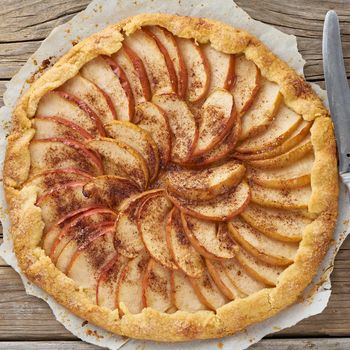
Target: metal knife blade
337,88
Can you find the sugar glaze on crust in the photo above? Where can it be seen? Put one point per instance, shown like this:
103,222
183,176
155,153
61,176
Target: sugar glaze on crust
27,224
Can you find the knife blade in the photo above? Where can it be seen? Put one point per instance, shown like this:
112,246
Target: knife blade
337,88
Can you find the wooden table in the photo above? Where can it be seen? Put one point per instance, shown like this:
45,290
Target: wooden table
27,322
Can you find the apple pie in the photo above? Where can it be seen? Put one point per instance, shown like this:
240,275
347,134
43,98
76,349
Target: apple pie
170,178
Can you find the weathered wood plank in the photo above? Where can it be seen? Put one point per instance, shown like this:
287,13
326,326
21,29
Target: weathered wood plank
265,344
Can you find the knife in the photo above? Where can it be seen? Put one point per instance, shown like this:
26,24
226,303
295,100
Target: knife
337,90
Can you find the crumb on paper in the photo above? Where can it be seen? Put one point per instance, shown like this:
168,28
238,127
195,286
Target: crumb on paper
84,323
93,333
220,345
45,64
75,41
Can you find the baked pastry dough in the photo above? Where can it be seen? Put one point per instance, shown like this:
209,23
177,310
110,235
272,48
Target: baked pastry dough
169,178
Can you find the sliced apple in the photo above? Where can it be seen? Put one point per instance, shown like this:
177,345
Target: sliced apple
109,190
247,83
294,198
154,62
45,180
284,159
59,235
124,81
198,69
217,117
156,287
61,201
127,239
239,277
209,239
100,73
51,127
218,274
262,247
152,119
260,271
205,184
87,91
282,127
262,111
222,67
181,250
57,153
58,104
130,284
182,124
221,208
183,295
125,62
87,264
151,222
121,160
207,292
297,137
294,175
169,42
139,139
106,289
276,223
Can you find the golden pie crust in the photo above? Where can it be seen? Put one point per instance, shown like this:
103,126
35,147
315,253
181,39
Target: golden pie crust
27,224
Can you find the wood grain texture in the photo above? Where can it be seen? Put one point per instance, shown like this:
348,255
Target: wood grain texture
266,344
23,24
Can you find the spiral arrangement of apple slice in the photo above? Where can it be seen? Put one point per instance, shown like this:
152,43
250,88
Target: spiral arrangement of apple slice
170,176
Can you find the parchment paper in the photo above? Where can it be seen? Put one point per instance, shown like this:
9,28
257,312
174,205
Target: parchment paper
98,15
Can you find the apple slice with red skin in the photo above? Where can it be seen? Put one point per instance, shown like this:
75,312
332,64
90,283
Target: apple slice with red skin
156,287
181,250
89,260
247,83
121,160
221,208
207,292
222,67
87,91
151,222
45,180
62,105
183,295
169,42
124,81
262,111
124,61
209,239
217,116
240,278
198,70
276,223
140,140
130,285
182,124
152,119
127,239
70,227
107,283
147,49
100,73
267,249
219,276
58,153
109,190
53,127
167,58
207,183
61,201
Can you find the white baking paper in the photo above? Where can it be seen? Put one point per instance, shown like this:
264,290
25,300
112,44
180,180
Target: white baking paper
97,16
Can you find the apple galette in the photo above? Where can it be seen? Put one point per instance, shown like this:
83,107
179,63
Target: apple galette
169,178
